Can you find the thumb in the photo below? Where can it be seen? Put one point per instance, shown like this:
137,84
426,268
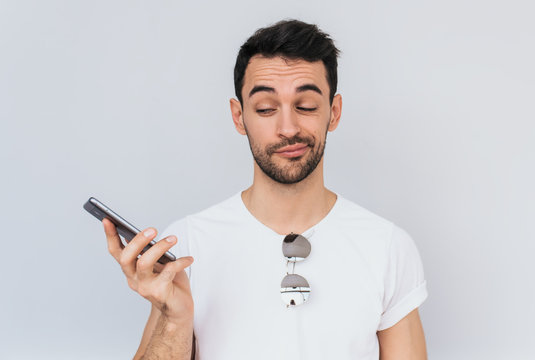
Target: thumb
172,268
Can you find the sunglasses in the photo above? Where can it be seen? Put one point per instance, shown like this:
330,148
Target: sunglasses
294,288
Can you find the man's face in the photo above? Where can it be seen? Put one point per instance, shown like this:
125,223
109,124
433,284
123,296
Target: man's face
286,114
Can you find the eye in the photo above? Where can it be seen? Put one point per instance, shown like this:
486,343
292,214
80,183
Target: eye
301,108
264,111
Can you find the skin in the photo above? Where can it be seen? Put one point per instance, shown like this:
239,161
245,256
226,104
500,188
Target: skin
287,195
404,341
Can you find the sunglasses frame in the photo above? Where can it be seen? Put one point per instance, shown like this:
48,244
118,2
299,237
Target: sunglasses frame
295,289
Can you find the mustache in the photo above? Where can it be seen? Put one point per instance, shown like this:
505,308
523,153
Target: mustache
290,141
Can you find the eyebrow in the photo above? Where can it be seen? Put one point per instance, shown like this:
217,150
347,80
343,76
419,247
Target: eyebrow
259,88
308,87
302,88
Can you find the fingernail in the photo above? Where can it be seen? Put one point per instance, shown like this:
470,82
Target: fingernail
149,232
171,239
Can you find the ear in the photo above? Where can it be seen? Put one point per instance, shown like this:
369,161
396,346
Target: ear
336,112
237,115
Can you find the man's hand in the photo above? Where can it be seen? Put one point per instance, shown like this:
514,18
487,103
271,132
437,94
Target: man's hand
166,287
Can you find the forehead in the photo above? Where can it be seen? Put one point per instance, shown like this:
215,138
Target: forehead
284,72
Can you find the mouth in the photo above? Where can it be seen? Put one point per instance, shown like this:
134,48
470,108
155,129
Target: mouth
292,150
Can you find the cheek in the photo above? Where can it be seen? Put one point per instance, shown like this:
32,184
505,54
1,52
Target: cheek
318,129
258,132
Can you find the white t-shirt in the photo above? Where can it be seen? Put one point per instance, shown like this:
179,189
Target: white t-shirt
365,275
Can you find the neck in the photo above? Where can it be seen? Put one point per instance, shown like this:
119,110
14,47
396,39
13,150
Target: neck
287,208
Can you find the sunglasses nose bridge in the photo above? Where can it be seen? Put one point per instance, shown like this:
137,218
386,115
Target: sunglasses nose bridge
288,265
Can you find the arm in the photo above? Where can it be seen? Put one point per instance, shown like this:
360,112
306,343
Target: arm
169,330
403,341
147,333
155,333
170,340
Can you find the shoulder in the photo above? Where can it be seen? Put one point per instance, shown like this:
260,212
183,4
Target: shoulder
371,227
350,212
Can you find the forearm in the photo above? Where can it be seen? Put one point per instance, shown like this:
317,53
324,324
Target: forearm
170,340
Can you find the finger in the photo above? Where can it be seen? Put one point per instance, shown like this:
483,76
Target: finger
131,251
147,261
172,275
114,242
171,269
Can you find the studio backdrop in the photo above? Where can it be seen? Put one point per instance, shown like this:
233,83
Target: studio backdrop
128,101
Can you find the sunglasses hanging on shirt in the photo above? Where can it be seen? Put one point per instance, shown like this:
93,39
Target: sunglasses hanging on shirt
295,289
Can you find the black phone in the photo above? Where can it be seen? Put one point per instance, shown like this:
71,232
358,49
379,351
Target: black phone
124,228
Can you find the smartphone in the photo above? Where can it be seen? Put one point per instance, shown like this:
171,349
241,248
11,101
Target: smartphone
124,228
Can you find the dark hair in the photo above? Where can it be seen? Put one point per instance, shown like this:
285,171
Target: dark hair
289,39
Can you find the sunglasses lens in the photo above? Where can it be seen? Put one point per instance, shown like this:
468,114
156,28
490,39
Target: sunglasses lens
295,247
294,289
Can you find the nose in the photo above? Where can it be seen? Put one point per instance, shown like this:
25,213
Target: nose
288,125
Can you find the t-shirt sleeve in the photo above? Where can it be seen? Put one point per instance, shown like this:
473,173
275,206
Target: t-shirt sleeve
181,248
405,286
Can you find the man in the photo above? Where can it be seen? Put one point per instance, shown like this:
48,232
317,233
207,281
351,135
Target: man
286,269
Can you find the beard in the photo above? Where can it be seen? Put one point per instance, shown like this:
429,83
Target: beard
298,168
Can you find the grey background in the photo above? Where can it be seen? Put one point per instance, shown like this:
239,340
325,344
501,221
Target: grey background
127,101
